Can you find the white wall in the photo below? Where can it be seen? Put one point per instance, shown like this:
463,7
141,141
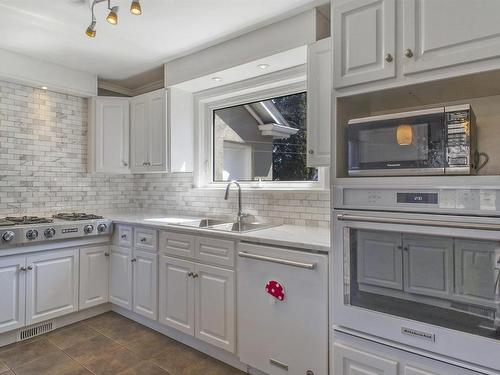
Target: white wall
37,73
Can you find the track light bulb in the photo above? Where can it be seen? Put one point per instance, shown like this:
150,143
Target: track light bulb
112,17
90,32
135,8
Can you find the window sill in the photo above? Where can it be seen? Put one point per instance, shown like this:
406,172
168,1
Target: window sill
299,188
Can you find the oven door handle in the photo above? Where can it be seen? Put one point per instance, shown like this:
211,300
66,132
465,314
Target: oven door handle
286,262
421,222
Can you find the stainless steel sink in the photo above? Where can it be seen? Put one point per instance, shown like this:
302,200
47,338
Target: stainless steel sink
225,225
203,223
242,227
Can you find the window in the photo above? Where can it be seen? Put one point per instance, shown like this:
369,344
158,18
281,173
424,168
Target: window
262,140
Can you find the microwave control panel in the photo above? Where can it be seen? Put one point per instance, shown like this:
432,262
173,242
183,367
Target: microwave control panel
459,128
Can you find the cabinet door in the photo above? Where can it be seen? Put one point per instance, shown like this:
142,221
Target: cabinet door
94,276
145,271
443,33
428,265
139,130
350,361
176,294
12,292
52,285
157,151
380,259
120,277
475,273
363,41
111,135
177,244
319,99
215,306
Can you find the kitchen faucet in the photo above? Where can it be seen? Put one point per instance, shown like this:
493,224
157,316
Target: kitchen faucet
241,215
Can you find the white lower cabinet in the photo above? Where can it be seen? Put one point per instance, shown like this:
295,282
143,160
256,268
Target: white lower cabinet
176,294
215,306
198,300
12,292
120,277
94,276
51,285
145,284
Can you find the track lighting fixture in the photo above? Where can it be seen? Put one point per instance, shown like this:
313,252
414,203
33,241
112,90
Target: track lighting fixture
135,8
112,17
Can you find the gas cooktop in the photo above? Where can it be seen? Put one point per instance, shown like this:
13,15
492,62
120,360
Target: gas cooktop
75,216
27,229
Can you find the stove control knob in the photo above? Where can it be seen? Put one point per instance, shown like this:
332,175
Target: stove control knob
101,228
32,234
8,236
49,232
87,229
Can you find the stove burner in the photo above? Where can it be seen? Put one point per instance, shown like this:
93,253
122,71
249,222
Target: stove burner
74,216
25,220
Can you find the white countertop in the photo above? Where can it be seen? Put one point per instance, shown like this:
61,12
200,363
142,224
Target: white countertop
301,237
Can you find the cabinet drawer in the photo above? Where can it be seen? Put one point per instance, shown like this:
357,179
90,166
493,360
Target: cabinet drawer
348,360
146,239
123,236
177,244
216,251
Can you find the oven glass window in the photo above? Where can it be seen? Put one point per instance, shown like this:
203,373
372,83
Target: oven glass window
445,281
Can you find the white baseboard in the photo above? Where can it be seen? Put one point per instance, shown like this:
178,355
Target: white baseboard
212,351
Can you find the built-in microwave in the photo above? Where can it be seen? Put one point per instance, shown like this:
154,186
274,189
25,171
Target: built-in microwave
434,141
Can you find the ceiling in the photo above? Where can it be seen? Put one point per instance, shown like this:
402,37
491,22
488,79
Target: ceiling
53,30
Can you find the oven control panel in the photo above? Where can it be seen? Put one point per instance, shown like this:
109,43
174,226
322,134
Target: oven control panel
468,201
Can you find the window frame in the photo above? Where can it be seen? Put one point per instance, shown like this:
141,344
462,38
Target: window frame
285,82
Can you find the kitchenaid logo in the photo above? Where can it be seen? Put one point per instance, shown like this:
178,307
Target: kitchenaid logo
70,230
419,334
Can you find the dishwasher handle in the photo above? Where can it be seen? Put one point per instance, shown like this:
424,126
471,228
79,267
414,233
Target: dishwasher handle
286,262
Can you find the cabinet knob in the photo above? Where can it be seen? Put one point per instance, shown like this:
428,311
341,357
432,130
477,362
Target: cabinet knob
190,274
388,58
311,151
195,275
30,268
134,260
125,163
143,240
408,53
124,236
106,254
22,268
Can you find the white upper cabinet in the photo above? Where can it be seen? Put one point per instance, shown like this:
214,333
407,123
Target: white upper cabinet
109,135
441,33
364,41
319,96
148,126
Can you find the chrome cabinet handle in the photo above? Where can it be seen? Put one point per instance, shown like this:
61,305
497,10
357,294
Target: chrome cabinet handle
190,274
106,254
125,163
286,262
195,275
143,239
388,58
495,288
30,268
408,53
311,151
22,268
124,236
134,260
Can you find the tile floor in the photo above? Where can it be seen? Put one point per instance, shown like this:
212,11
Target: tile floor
107,344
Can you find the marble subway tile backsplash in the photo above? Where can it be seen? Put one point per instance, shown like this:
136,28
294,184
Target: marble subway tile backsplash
43,169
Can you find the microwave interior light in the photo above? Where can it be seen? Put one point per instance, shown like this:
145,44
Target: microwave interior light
404,135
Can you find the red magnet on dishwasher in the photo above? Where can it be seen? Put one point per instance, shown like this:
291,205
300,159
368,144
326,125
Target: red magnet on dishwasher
275,289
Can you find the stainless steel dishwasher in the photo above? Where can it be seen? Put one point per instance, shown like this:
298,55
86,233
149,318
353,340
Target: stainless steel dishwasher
282,310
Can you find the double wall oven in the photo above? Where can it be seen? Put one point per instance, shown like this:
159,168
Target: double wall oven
420,267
